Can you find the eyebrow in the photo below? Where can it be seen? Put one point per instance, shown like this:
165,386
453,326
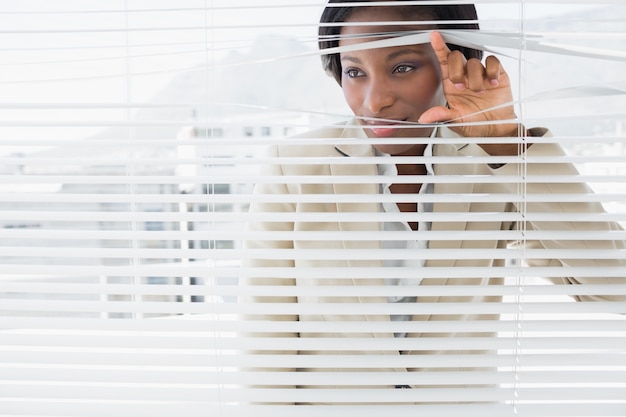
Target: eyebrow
393,55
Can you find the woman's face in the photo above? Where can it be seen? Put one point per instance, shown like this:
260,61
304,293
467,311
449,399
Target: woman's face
396,83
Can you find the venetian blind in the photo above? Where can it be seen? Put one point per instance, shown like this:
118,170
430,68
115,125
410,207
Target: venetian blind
132,134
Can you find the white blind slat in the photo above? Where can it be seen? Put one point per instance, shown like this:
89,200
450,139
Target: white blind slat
224,289
200,270
202,322
189,376
311,309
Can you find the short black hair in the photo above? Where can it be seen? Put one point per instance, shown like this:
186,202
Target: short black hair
329,32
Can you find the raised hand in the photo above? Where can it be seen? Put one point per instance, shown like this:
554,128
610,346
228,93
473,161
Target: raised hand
475,93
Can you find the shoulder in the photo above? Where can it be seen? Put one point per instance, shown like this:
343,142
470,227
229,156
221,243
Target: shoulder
456,145
320,142
332,131
316,143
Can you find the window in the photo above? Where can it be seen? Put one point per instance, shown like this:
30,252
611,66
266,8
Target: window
132,135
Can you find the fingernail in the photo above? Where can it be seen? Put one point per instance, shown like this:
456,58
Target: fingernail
460,86
494,82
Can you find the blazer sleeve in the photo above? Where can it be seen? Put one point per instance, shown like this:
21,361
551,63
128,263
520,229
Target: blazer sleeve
569,224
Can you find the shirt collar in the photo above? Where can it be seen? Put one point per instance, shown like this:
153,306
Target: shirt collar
389,169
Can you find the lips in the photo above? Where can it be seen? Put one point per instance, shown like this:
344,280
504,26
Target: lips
383,129
383,132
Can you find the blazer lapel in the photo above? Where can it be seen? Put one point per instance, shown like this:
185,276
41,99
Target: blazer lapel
461,188
340,170
372,188
460,207
447,226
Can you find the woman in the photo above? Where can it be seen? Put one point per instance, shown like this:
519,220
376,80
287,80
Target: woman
400,92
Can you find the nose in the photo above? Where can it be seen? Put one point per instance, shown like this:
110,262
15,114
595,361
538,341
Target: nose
379,95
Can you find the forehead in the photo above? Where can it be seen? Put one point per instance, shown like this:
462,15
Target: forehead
387,19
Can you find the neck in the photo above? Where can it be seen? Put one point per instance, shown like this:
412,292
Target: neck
412,188
409,169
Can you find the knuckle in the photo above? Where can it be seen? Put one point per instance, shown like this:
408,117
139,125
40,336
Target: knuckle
456,54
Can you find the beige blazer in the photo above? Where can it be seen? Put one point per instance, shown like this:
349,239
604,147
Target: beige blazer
337,154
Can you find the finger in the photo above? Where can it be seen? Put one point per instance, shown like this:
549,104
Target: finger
436,114
441,51
457,68
493,70
475,75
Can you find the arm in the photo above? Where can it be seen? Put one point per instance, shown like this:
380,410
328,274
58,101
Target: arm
482,94
568,221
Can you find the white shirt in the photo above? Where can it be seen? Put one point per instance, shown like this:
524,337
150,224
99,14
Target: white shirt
390,171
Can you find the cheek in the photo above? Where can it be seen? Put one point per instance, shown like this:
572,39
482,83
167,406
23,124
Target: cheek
351,95
427,92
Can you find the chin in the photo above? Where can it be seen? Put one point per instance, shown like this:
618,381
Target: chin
392,149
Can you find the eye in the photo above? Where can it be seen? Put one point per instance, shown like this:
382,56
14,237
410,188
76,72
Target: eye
404,68
353,72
